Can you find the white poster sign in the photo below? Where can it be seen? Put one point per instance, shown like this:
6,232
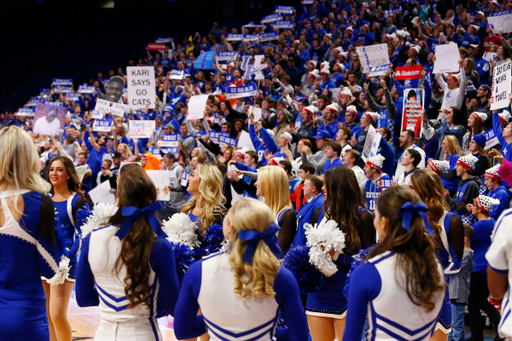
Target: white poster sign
245,141
501,86
447,58
161,179
256,113
196,107
101,194
368,144
141,86
107,107
141,129
373,55
500,21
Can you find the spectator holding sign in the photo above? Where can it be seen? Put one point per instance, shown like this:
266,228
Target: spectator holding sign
454,88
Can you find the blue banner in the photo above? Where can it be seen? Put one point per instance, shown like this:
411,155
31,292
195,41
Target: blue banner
235,37
283,24
102,125
242,91
284,9
26,111
86,89
225,139
62,81
63,88
163,40
176,74
227,55
272,18
269,36
251,37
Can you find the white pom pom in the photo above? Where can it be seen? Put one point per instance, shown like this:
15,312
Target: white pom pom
181,229
61,274
101,214
321,240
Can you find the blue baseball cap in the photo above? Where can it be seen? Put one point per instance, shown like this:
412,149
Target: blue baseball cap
322,134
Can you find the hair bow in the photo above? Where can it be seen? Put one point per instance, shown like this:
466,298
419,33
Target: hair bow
253,237
132,213
407,212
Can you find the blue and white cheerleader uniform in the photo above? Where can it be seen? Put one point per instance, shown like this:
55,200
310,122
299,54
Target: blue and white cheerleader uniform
98,283
330,301
377,291
209,285
27,251
71,233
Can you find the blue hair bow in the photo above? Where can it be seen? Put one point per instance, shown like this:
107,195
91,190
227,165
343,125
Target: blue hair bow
133,213
407,212
253,237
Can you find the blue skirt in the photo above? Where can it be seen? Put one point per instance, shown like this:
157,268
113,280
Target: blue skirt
23,316
330,298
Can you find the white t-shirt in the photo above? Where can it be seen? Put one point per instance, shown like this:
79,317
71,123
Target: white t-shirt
43,127
499,257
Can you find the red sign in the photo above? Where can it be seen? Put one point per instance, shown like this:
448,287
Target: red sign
158,47
408,72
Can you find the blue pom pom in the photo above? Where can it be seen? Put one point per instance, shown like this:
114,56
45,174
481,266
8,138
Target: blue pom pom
307,276
359,259
83,213
184,258
213,238
61,236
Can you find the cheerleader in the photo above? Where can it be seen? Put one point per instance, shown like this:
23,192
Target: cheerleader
242,292
128,266
326,308
449,234
273,186
68,198
401,286
27,239
205,208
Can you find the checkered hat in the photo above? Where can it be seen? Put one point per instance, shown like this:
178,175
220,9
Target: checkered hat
486,204
439,166
468,162
492,173
376,162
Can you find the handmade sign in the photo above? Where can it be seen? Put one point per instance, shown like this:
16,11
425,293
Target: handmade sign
373,55
141,86
501,86
141,129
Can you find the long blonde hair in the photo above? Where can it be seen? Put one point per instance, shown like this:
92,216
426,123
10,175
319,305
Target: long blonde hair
251,214
127,149
20,164
210,188
274,187
453,145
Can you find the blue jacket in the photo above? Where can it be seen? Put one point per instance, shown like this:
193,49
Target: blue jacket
503,195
